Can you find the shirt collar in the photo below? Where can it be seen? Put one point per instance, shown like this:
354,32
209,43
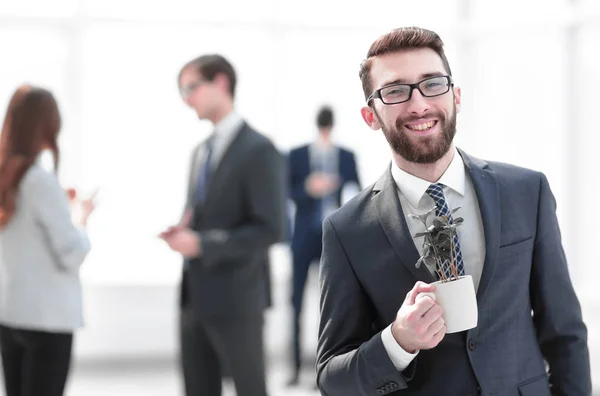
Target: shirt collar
228,125
414,188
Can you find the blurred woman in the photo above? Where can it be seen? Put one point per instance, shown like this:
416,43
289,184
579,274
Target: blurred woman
42,245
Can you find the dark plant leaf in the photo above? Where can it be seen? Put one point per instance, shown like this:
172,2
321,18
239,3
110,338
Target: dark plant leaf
452,228
418,264
417,217
438,239
446,231
422,217
430,260
439,223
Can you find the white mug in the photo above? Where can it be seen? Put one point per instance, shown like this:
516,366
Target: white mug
458,301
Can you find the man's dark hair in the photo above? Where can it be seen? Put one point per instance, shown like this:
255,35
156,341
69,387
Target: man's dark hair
209,66
399,40
325,117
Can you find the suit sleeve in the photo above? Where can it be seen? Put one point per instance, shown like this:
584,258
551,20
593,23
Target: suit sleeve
562,335
351,357
354,173
297,180
266,211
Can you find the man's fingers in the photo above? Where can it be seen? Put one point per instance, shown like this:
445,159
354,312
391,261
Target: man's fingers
435,327
439,336
425,294
168,232
163,235
420,287
426,306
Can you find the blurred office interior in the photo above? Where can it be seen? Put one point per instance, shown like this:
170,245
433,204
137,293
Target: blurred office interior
530,77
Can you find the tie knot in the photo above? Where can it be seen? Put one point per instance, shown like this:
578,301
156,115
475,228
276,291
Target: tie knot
436,191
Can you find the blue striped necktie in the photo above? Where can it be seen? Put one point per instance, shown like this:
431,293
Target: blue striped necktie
436,192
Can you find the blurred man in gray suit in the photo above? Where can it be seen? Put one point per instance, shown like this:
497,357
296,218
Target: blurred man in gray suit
380,333
235,211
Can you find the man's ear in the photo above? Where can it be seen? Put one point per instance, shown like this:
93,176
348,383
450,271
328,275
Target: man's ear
222,82
368,114
457,98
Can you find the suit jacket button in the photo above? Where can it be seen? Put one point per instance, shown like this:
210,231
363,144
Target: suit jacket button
380,391
472,345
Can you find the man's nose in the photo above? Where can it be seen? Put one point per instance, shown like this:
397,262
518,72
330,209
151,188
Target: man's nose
418,104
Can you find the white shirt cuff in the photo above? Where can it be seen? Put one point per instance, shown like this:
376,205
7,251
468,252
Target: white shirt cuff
399,357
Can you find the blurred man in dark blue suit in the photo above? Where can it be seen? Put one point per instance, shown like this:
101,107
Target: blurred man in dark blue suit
318,172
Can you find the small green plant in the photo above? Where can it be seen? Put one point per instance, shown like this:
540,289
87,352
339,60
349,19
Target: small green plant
438,244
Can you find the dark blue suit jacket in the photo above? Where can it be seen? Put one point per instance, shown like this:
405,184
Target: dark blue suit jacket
299,169
529,315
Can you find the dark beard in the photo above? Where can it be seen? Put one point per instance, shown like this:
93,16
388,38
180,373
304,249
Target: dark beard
430,148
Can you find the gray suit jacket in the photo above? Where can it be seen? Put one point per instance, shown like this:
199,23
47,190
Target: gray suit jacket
529,314
40,255
242,216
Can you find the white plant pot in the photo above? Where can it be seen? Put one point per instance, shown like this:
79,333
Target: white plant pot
457,299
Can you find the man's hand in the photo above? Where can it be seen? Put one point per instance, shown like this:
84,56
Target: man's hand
183,240
320,184
419,323
183,224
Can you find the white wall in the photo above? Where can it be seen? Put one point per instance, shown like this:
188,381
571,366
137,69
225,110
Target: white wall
529,78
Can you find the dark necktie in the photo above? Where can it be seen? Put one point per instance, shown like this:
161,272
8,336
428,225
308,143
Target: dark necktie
436,192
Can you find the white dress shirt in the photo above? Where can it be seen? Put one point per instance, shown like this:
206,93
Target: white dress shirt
224,132
458,191
324,157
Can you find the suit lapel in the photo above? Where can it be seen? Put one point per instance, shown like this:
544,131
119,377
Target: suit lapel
344,167
193,175
391,218
225,166
486,189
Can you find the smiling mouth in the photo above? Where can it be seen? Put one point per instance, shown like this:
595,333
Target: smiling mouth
425,126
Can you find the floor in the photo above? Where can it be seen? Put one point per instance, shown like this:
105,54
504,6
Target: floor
128,347
162,379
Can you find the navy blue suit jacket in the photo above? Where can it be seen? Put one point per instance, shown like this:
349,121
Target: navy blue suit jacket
529,315
299,169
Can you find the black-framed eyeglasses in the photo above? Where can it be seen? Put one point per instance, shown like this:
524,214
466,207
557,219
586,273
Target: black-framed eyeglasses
400,93
190,88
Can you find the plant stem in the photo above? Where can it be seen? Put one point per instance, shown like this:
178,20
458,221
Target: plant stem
454,264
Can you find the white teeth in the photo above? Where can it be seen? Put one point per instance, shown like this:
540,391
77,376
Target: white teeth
422,127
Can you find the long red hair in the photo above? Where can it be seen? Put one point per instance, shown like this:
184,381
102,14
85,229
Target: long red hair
31,125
